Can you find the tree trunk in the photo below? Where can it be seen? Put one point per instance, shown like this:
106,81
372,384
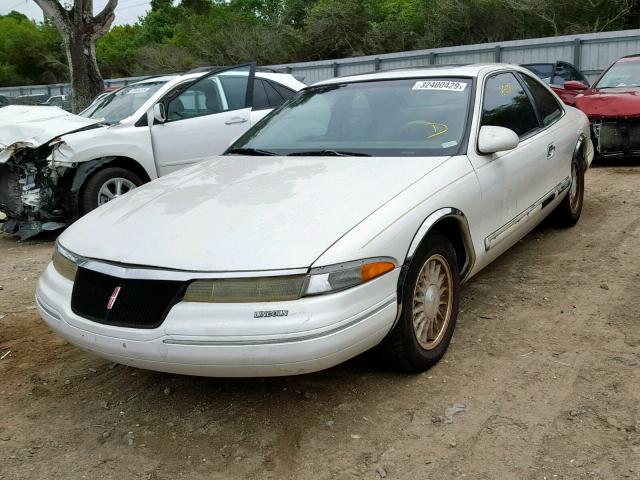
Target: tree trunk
80,30
86,80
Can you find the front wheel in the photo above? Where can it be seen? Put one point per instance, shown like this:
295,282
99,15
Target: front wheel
106,185
430,297
568,211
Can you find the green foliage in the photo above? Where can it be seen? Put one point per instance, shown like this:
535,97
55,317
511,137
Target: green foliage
177,35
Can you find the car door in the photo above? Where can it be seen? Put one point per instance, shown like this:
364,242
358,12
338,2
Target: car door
512,181
559,146
204,118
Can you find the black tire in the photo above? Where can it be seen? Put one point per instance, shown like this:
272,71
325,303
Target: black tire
89,194
568,211
401,346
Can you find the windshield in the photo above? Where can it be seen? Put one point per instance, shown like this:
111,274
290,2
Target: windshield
622,74
408,117
122,103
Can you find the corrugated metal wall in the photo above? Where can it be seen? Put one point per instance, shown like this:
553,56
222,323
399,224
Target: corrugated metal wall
590,52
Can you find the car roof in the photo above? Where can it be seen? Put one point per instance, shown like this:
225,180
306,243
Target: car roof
471,70
285,78
629,59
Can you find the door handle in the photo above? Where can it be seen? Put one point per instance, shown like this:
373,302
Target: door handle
235,120
551,150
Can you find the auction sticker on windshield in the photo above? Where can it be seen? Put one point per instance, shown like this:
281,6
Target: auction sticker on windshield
440,85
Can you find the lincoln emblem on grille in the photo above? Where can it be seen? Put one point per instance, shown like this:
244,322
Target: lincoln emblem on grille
113,298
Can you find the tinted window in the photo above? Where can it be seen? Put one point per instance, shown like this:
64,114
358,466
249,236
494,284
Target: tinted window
286,93
507,105
408,117
275,99
260,100
235,89
543,70
547,105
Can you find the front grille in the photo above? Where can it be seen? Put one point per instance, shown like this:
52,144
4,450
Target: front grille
139,303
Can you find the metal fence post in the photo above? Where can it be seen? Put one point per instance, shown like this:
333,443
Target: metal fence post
432,58
335,69
376,64
497,54
577,53
289,70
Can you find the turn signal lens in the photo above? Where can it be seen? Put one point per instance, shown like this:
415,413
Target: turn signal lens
340,277
369,271
64,265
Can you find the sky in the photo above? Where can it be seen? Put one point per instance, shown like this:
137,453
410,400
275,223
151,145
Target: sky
127,11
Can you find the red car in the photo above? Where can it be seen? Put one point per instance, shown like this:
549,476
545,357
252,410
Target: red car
563,78
613,107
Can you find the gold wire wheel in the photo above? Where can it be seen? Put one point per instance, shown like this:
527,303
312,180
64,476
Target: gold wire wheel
432,302
574,192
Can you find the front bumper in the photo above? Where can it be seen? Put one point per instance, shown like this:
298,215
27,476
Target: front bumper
225,340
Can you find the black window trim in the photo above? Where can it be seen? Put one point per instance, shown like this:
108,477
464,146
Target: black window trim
533,104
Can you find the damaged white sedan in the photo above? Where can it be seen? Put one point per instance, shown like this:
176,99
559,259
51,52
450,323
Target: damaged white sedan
56,167
345,220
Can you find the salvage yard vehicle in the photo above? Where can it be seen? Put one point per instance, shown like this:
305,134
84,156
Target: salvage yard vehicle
346,219
564,79
613,107
56,167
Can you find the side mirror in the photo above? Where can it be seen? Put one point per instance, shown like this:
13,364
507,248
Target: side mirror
496,139
574,85
158,113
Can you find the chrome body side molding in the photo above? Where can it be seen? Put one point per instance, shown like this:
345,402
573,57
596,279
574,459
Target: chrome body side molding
504,231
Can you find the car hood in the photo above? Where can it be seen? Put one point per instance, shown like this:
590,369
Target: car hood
610,102
33,126
236,213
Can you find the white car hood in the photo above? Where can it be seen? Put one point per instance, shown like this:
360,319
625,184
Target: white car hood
236,213
32,126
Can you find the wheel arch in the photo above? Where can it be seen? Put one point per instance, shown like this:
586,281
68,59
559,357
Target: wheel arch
452,223
86,169
580,151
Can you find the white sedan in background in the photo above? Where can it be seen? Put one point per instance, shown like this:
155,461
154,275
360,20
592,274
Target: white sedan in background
345,220
56,167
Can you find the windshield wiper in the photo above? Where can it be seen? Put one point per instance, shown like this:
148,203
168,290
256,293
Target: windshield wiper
327,153
250,151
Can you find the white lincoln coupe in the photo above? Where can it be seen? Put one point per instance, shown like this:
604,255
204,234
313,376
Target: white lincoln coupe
345,219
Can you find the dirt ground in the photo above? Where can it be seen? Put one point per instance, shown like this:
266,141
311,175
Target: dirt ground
545,361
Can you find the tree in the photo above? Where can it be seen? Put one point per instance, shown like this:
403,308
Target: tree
80,30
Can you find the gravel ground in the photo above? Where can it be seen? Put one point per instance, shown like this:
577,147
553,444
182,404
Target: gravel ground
543,374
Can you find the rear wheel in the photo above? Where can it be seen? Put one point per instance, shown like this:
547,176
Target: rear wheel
568,211
106,185
430,299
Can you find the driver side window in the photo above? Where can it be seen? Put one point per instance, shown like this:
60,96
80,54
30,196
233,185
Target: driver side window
214,93
201,98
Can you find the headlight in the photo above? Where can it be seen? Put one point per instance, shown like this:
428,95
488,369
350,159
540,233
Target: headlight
342,276
63,263
283,288
243,290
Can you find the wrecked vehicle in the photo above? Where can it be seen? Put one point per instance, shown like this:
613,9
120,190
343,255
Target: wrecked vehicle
613,107
56,166
562,77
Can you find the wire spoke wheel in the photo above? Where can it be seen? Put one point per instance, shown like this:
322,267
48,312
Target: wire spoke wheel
113,188
432,302
574,192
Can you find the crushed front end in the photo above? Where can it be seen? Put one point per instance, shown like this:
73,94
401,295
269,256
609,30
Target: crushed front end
32,190
616,137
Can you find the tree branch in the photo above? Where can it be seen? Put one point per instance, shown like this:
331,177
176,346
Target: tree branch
102,21
56,12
